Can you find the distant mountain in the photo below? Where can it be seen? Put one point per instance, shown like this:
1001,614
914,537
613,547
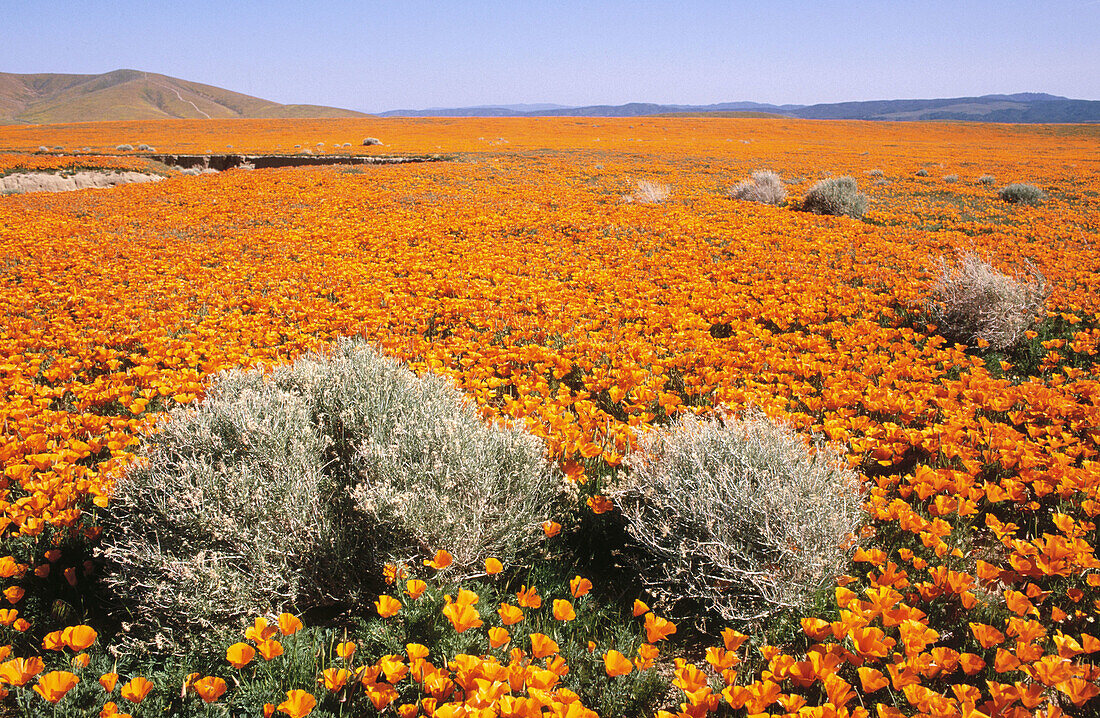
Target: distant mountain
133,95
634,109
1029,107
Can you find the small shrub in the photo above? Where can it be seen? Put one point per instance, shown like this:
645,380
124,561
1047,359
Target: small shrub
765,187
740,517
125,148
144,148
290,492
1021,194
922,172
371,141
875,173
836,196
880,182
650,192
986,179
950,178
971,300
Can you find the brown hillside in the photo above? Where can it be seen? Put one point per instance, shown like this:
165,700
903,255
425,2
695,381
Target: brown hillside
134,95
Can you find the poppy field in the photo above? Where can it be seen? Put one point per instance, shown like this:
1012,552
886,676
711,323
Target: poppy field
522,268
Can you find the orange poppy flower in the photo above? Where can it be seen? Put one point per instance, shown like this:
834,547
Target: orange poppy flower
462,616
210,688
53,641
640,608
493,566
732,639
647,654
260,631
108,681
270,649
289,624
579,587
387,606
528,597
563,610
657,629
600,504
298,704
240,655
335,678
54,685
441,560
110,710
137,689
345,650
871,680
509,614
415,588
498,636
416,651
542,645
988,636
616,664
551,529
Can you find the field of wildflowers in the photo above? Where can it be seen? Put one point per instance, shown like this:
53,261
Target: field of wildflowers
517,270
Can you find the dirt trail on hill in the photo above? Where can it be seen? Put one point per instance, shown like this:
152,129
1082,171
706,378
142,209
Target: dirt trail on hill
21,182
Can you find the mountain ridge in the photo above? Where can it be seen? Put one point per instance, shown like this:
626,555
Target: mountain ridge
1023,107
46,98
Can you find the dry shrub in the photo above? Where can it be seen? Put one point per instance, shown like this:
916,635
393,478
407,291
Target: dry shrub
765,186
288,492
740,517
971,300
649,192
836,196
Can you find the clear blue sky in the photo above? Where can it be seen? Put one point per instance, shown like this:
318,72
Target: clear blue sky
376,56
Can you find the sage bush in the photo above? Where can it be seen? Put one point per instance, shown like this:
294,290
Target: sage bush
290,491
741,517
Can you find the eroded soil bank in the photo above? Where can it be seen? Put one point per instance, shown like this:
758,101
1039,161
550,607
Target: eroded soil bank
21,182
225,162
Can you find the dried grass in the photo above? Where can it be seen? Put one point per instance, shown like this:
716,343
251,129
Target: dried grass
650,192
765,187
971,300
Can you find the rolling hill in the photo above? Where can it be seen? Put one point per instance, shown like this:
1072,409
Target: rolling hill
134,95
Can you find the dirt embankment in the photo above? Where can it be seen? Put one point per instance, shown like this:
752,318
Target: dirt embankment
20,182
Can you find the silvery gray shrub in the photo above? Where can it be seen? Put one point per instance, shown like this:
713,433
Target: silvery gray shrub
289,492
739,516
1018,193
836,196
